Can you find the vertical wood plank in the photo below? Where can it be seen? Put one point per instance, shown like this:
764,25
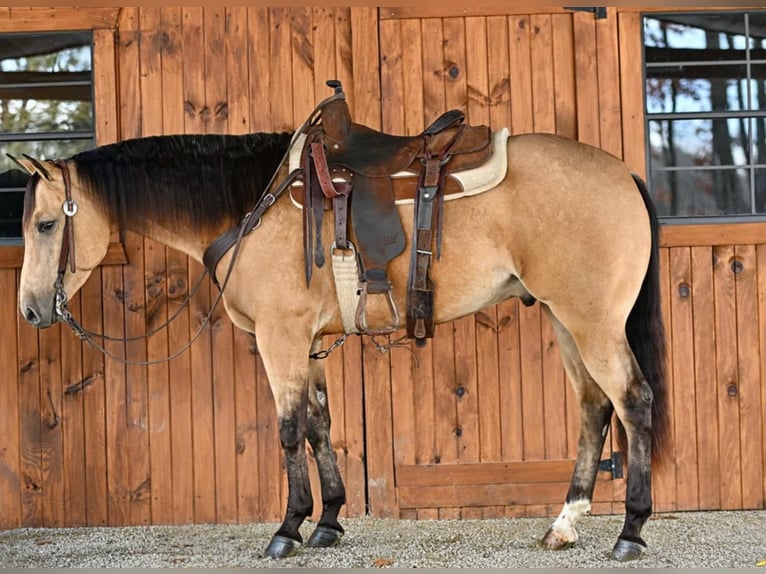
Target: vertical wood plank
564,75
197,109
222,336
433,69
708,471
115,396
137,436
28,368
543,87
521,74
73,426
749,383
177,286
356,464
631,91
158,407
51,446
761,262
10,422
258,58
684,416
609,82
93,362
586,78
664,481
727,375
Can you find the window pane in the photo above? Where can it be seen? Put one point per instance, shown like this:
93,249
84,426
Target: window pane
699,142
760,191
695,37
693,193
11,209
34,116
680,89
52,149
757,23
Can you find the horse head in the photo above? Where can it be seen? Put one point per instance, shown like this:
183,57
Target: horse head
66,236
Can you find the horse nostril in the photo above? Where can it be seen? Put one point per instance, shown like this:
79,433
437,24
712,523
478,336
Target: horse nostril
31,316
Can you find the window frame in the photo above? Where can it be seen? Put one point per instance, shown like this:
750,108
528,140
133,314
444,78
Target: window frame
647,118
103,24
79,135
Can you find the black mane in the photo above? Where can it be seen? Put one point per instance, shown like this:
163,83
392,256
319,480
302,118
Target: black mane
207,182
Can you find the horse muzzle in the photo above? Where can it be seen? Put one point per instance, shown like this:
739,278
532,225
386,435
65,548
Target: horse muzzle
37,315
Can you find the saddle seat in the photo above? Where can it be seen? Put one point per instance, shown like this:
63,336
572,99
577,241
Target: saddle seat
354,167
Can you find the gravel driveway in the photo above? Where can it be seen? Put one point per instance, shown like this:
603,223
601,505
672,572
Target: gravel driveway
701,539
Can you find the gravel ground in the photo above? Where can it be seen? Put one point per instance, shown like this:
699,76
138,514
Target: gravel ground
695,539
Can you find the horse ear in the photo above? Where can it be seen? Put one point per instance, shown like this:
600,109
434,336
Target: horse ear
31,166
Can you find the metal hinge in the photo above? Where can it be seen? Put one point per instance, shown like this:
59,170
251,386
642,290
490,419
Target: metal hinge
613,464
599,11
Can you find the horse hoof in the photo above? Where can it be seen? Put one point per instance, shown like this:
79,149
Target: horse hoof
324,537
626,550
282,547
555,540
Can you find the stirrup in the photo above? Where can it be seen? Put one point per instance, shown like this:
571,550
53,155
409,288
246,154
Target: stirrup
360,318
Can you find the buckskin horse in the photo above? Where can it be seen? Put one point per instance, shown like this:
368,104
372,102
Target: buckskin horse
566,225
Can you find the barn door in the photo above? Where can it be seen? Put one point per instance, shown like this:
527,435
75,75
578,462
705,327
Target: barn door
483,421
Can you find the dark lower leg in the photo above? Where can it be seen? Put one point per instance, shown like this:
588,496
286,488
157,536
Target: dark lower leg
333,491
594,423
637,419
292,435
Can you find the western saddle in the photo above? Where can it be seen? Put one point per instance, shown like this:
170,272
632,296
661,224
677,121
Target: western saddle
349,168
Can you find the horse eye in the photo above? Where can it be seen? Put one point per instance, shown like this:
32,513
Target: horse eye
45,226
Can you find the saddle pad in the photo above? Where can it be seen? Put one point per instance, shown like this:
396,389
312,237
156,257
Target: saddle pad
472,181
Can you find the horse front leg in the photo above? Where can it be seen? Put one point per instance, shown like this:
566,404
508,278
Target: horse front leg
287,366
328,531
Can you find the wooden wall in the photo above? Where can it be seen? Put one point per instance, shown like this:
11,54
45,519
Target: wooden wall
480,422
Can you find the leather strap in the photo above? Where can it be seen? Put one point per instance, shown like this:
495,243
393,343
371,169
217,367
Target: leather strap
218,248
70,208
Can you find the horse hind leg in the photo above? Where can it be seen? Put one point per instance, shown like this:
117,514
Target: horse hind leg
595,414
609,359
328,531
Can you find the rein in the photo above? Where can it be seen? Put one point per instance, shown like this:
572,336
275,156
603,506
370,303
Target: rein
230,239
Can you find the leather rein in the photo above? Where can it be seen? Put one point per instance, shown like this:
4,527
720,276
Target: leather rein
217,249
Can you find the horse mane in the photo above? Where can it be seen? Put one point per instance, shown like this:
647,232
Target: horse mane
206,182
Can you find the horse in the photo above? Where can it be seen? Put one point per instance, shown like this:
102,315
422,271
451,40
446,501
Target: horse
569,226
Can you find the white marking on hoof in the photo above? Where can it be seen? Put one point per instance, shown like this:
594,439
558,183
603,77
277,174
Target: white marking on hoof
562,533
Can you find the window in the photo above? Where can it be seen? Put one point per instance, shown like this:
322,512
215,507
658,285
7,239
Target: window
46,109
705,97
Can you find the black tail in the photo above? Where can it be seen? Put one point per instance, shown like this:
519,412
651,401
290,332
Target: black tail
646,336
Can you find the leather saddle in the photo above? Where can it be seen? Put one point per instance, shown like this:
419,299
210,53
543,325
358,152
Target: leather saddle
351,166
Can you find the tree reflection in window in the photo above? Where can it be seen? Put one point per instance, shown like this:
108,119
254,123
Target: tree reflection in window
705,107
46,108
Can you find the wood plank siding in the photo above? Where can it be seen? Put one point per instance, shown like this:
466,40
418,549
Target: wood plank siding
481,422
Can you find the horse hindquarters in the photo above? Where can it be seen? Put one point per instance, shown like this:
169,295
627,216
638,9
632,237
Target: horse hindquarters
608,357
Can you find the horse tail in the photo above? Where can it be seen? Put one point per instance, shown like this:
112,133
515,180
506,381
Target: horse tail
646,335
